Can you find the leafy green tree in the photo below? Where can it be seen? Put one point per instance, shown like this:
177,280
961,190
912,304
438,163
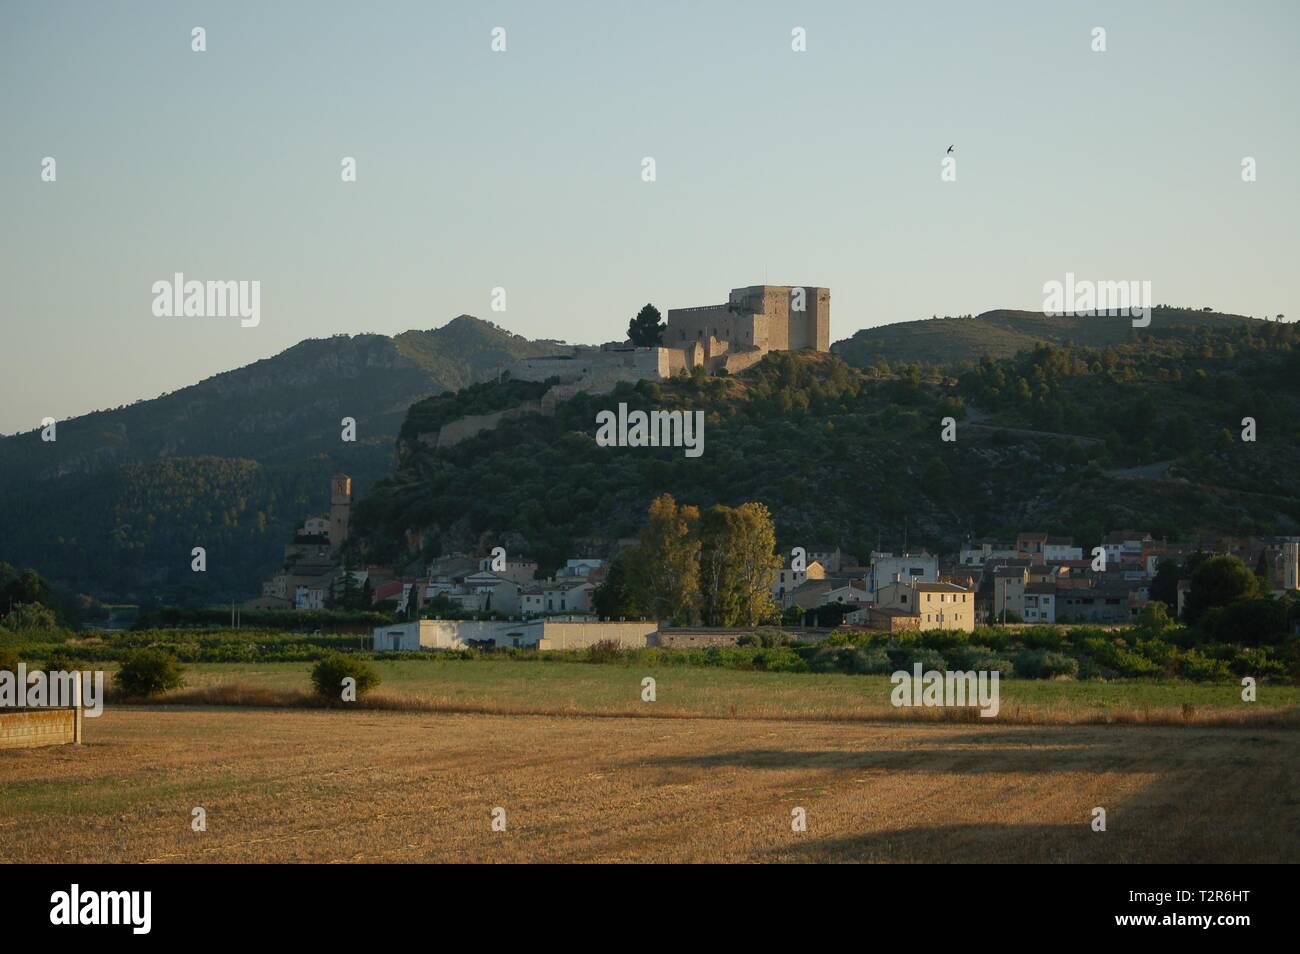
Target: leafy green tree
327,676
647,328
616,596
664,566
26,616
738,563
1218,581
1154,618
148,672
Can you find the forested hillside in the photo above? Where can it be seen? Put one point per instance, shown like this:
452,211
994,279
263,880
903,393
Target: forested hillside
1066,440
115,504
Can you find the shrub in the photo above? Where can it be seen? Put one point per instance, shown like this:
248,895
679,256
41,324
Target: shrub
1257,622
928,658
327,676
943,639
1113,657
605,651
1196,665
1256,662
988,662
148,672
995,637
59,661
779,659
1041,637
8,660
1044,664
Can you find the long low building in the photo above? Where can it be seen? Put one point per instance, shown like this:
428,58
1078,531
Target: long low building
543,633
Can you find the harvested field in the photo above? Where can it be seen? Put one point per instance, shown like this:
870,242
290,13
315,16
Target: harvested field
285,785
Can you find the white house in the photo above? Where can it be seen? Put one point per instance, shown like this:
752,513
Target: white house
887,568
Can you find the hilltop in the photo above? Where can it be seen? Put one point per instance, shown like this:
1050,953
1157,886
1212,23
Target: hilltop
1069,440
1003,332
233,463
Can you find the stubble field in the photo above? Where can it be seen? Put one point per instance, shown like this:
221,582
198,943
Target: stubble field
302,785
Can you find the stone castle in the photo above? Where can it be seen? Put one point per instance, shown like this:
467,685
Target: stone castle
730,336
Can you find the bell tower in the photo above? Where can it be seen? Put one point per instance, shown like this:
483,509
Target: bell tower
340,509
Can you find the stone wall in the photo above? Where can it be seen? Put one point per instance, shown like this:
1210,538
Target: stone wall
31,728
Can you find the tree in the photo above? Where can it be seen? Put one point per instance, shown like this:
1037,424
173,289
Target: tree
328,674
1154,618
738,563
616,596
148,672
1218,581
1164,585
647,328
664,567
29,616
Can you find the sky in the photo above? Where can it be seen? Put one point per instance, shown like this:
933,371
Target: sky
523,169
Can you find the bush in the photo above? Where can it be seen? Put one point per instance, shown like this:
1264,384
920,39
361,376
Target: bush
928,658
1258,622
1041,637
1258,663
148,672
1044,664
1196,665
1113,657
853,660
327,676
9,660
59,661
605,651
979,659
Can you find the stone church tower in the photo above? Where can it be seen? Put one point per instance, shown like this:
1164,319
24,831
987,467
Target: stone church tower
340,509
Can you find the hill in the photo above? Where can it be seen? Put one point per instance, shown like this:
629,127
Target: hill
1002,333
1061,439
233,463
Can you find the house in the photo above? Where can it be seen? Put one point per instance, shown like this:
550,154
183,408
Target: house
1125,546
887,568
787,580
1060,549
1106,602
1030,546
871,616
517,571
543,634
981,552
812,593
854,591
581,568
935,605
556,596
497,593
828,556
1039,603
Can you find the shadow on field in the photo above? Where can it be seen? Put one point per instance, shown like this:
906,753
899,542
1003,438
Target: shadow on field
933,759
965,843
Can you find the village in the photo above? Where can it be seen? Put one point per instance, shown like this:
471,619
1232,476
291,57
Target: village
495,599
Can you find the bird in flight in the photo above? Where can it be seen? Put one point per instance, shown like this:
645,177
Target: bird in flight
950,148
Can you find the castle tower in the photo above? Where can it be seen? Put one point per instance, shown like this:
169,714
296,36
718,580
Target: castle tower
340,508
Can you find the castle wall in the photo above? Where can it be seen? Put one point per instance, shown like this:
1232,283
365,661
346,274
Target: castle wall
754,317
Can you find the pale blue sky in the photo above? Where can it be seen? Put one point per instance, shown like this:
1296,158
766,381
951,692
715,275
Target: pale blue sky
522,169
